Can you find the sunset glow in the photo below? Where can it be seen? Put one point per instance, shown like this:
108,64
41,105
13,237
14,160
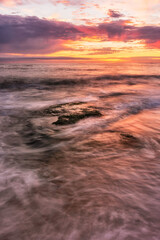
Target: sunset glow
92,29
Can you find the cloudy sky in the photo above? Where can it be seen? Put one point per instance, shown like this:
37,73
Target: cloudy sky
110,30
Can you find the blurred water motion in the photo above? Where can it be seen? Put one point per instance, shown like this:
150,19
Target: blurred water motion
95,179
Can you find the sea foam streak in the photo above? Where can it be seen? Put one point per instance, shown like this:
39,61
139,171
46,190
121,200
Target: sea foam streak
94,176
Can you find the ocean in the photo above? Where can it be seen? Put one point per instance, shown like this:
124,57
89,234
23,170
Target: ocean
79,151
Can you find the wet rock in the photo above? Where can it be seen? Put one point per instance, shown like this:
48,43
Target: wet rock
129,140
114,94
64,108
73,118
70,113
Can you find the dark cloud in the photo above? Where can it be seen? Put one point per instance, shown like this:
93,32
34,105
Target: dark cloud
149,33
21,28
114,14
115,28
122,31
34,35
31,34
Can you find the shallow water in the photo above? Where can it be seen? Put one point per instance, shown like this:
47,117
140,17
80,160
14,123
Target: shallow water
97,179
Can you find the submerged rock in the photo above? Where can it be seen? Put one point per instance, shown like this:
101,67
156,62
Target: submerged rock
129,140
70,113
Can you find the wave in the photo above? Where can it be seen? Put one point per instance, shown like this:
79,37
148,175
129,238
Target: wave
22,84
19,83
126,76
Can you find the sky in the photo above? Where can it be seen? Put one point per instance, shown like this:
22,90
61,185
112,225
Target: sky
99,30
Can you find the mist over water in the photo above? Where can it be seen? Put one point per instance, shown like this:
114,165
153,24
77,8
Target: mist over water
95,179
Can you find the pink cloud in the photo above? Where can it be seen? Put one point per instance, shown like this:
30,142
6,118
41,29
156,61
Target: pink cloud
14,2
34,35
69,2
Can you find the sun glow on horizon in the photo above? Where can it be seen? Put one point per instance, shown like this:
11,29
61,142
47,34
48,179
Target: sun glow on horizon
80,29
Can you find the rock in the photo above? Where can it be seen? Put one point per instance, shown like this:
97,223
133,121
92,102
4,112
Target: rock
129,140
73,118
70,113
63,108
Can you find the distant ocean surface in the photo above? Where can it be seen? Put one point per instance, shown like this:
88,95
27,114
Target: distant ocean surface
79,151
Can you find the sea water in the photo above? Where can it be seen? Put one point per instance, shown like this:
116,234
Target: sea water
95,179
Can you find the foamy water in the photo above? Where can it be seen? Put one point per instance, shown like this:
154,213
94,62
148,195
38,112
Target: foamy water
96,179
